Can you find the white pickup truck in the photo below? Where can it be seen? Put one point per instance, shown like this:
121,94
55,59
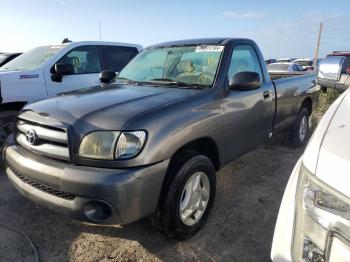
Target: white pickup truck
313,223
49,70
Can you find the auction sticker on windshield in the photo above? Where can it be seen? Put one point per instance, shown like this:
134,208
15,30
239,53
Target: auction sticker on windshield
209,48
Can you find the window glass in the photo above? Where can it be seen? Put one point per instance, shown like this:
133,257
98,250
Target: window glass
33,59
244,59
195,64
3,57
304,63
116,57
85,59
277,67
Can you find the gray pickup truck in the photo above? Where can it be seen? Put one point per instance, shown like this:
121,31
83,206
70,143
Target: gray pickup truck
149,143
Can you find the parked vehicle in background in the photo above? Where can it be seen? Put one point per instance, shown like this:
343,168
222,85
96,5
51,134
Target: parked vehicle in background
7,57
49,70
345,54
150,144
284,67
285,60
306,63
334,72
270,61
313,223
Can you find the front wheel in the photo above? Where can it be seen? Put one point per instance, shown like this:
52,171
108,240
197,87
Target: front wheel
6,124
300,130
189,198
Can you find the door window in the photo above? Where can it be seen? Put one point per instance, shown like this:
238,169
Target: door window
85,59
244,59
116,57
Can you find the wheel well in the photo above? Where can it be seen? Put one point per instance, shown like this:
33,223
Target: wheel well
307,103
205,146
12,106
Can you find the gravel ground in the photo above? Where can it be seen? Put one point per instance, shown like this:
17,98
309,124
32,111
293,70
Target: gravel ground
240,227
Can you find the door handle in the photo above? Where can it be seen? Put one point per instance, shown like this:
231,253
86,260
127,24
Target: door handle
266,94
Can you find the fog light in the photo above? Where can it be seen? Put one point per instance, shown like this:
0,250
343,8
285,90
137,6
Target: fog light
97,211
311,253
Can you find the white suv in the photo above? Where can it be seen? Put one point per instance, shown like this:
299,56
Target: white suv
49,70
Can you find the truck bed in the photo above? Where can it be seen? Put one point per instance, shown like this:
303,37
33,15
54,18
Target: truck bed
289,89
279,75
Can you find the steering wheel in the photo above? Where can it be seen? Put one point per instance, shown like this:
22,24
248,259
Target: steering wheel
76,63
206,79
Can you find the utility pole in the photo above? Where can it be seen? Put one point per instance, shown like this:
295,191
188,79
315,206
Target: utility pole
318,46
100,29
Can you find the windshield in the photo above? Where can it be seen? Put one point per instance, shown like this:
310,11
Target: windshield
3,57
278,67
304,63
191,65
32,59
287,60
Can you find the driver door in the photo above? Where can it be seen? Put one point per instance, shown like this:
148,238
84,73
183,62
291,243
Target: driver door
86,63
249,114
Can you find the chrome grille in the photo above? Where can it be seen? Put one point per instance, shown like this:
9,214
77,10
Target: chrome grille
50,141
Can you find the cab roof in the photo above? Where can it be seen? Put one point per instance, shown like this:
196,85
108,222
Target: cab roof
197,41
79,43
339,53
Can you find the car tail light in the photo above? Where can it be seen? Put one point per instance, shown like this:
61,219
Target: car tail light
348,70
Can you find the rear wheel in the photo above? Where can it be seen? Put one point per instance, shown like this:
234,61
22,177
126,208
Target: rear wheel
187,201
300,130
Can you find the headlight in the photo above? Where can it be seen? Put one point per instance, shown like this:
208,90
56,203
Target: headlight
130,144
319,210
99,145
111,145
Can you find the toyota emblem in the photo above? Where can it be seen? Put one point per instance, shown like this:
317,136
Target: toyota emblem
31,136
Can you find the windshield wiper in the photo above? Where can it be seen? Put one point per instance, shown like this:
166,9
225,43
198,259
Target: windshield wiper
127,80
176,83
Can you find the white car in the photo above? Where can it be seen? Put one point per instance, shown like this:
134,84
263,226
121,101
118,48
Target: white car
285,60
313,223
284,67
49,70
306,63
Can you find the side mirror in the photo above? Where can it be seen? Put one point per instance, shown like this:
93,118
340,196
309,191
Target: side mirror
245,81
60,70
107,76
331,68
64,69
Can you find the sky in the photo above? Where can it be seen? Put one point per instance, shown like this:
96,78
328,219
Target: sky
280,28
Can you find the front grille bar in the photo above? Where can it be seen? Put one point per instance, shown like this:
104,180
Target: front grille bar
45,149
51,141
43,133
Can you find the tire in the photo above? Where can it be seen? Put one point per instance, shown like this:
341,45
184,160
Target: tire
169,219
6,125
300,130
6,128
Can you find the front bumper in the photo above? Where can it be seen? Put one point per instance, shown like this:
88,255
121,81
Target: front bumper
129,194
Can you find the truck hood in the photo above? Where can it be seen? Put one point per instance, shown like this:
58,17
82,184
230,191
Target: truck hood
333,165
107,108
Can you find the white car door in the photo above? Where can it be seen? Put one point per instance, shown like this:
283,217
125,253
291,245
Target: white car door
87,67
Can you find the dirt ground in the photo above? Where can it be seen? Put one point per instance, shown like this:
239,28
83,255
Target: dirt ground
240,227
